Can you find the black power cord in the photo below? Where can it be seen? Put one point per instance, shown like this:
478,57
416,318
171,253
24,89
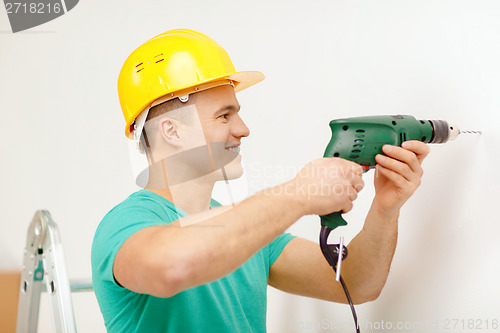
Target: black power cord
331,253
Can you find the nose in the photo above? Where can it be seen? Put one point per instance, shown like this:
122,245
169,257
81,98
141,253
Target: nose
240,129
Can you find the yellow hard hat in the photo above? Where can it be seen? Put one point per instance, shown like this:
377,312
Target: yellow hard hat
176,63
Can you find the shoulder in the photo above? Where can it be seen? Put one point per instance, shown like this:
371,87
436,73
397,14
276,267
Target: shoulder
140,206
140,210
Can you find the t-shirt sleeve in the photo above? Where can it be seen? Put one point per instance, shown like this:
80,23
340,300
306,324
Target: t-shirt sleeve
277,246
115,230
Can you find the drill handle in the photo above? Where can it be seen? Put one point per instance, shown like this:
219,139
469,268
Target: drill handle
333,220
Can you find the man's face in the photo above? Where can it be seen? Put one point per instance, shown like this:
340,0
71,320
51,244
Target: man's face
223,129
199,139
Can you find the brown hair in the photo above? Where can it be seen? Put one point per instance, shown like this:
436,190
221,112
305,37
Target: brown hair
169,105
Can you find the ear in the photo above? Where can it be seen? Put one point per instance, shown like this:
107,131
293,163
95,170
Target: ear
170,131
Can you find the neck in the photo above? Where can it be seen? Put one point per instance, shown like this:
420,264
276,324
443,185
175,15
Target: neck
192,196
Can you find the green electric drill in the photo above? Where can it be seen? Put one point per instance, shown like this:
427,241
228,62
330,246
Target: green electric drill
359,140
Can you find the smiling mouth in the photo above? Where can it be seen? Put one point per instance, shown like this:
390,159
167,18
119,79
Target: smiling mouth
234,149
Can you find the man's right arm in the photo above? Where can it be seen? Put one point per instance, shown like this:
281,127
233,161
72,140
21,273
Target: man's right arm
164,260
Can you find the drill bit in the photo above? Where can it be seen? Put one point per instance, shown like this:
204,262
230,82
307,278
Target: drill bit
470,132
454,131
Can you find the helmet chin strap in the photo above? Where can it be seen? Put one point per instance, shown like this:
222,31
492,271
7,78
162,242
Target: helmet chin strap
139,123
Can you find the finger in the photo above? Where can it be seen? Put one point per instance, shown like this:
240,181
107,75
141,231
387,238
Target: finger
419,148
347,207
356,168
355,173
358,184
353,195
397,166
406,156
395,177
350,166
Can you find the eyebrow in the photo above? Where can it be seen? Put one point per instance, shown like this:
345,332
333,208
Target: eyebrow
228,107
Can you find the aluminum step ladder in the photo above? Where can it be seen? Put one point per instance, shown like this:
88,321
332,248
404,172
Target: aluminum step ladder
44,269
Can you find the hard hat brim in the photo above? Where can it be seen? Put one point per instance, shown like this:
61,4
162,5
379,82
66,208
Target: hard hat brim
246,79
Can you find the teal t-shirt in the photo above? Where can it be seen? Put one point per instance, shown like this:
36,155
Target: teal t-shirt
234,303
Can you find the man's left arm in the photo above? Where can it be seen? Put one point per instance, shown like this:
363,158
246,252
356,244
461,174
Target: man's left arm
301,268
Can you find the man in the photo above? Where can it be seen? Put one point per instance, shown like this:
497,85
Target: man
171,259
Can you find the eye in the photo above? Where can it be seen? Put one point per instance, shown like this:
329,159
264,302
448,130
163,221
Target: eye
224,116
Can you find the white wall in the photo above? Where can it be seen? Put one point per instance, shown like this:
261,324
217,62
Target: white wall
63,147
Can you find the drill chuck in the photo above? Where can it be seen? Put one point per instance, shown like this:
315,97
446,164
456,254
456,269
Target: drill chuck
442,131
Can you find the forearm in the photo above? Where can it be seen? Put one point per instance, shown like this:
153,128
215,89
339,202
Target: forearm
214,247
367,265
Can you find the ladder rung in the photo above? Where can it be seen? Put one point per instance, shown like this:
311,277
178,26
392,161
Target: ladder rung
75,286
80,285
